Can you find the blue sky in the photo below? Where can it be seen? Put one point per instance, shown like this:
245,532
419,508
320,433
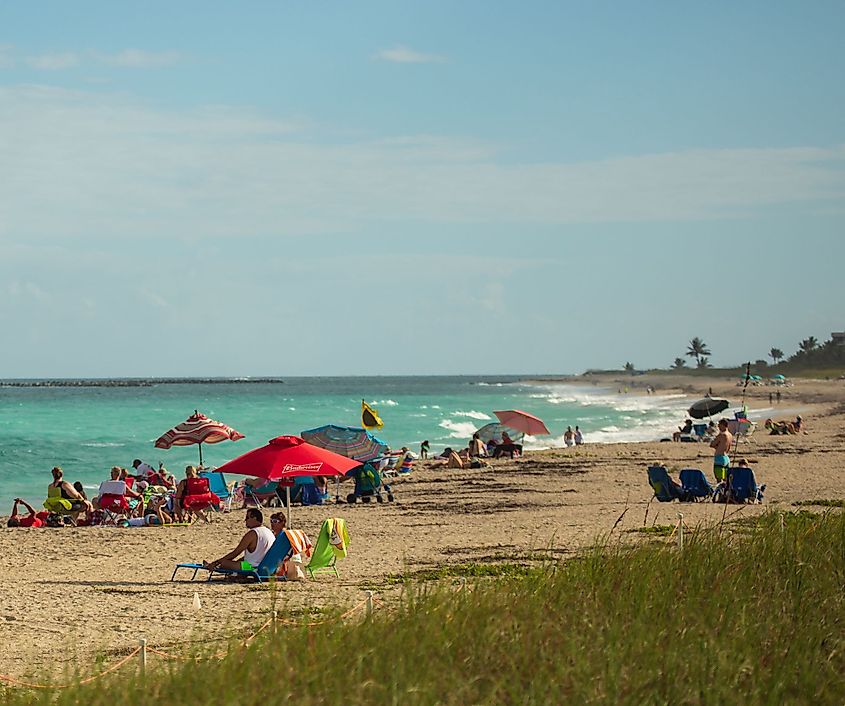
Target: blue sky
360,188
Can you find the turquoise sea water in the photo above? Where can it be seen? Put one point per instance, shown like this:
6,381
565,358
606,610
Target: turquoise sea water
86,430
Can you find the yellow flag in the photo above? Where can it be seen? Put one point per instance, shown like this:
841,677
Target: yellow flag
369,417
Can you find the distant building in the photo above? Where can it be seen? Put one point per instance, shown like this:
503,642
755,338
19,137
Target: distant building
838,339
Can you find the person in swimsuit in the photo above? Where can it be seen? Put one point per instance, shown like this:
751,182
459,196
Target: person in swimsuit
60,489
31,519
721,445
255,543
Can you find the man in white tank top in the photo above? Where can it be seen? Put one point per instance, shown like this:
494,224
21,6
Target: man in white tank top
253,545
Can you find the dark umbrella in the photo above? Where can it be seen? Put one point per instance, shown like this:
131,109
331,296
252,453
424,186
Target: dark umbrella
707,407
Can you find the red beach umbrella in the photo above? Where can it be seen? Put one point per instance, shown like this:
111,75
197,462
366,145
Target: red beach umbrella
289,457
522,421
197,429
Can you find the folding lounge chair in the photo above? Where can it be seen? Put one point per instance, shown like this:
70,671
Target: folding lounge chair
743,486
368,485
695,484
113,501
266,570
665,489
388,466
198,497
55,504
217,484
332,544
262,495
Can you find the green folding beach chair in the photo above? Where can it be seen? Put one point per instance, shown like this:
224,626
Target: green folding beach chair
332,544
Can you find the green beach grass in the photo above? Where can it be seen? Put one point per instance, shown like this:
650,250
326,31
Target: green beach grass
755,616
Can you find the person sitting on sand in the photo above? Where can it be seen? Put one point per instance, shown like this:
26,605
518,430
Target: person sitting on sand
683,431
154,515
61,489
31,519
255,543
477,448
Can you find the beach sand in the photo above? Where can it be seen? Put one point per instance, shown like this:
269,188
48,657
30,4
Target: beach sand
72,593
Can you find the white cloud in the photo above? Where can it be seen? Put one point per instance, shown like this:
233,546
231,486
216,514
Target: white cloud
405,55
53,62
78,164
140,59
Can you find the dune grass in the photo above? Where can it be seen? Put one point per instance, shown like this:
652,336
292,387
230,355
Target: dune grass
823,502
752,617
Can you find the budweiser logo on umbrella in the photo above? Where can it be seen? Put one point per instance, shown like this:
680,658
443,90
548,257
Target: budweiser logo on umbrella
302,468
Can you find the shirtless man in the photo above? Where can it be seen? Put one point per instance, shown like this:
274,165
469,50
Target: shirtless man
721,445
253,545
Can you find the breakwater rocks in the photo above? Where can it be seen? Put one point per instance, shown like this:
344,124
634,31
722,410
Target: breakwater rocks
137,382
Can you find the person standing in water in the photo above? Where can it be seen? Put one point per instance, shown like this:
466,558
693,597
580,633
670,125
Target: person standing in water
579,437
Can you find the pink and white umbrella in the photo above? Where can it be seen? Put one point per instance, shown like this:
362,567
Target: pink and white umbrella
197,429
522,421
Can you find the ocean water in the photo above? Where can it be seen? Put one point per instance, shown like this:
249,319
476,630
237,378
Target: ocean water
86,430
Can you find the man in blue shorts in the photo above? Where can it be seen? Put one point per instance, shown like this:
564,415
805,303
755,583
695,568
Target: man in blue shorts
721,445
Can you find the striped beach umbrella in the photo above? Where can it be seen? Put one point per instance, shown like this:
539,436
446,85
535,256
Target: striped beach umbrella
352,442
197,429
494,430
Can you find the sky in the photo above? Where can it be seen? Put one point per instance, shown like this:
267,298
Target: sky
291,188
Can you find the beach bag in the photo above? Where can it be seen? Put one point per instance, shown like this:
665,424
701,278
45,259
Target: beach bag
294,569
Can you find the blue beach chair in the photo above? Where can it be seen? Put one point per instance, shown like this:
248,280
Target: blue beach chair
743,486
695,484
665,489
217,484
273,559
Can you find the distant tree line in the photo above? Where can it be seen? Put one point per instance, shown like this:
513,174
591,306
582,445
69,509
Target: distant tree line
810,354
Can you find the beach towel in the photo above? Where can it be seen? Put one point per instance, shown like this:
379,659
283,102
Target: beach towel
332,544
299,542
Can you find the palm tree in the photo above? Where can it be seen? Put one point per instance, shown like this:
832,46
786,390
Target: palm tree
704,363
679,363
629,368
776,354
697,348
808,344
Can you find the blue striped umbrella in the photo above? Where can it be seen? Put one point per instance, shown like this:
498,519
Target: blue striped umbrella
353,442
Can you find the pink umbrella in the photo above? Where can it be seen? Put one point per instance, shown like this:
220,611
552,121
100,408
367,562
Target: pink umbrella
197,429
522,421
289,457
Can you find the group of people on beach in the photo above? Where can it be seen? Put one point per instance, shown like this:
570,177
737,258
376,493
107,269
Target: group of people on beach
474,453
573,438
146,497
